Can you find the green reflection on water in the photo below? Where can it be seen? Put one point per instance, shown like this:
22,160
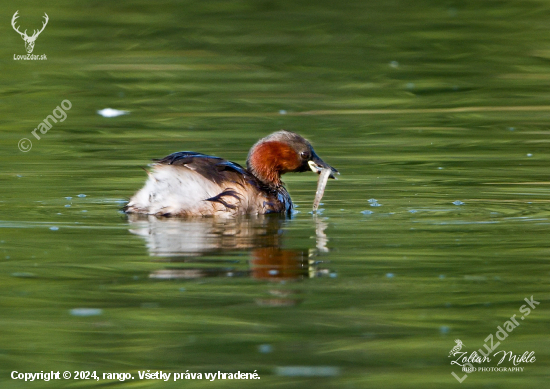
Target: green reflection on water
417,105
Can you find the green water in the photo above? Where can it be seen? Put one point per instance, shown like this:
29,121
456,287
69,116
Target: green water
417,104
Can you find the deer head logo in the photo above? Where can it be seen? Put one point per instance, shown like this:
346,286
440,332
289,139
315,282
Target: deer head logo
29,40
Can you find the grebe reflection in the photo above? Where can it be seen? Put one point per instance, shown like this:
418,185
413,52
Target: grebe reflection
235,247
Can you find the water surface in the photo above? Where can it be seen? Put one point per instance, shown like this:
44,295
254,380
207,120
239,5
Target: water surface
436,112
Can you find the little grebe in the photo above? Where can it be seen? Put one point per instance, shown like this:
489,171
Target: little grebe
193,184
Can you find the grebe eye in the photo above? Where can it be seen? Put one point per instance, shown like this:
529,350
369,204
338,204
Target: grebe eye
304,154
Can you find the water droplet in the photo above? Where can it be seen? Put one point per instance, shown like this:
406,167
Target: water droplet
273,272
372,200
319,212
442,276
54,228
333,275
282,112
413,211
394,64
444,329
111,113
81,195
265,348
458,202
68,198
367,212
390,275
67,205
529,154
86,312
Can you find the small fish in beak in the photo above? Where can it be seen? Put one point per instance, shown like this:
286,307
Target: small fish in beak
321,184
317,165
325,171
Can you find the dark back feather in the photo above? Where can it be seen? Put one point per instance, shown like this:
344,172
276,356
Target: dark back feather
212,168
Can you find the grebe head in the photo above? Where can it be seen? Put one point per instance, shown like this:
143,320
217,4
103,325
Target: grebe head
283,152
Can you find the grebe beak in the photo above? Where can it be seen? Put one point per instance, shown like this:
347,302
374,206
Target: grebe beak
317,165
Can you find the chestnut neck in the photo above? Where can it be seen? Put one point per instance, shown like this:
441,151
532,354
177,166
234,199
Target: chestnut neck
267,161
